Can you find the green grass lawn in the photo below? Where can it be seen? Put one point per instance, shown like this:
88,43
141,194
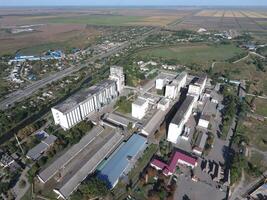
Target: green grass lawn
142,162
244,70
104,20
261,106
27,195
124,105
200,54
255,131
258,160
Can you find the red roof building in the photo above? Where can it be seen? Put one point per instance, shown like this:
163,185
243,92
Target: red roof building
177,158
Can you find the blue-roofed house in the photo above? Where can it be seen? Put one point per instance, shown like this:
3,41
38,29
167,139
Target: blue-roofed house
122,160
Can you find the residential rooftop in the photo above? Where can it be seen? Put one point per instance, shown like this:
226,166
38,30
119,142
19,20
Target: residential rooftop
37,151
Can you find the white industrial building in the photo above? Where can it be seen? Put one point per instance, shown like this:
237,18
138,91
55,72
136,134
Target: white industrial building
180,118
116,74
139,108
76,108
198,87
173,89
163,104
204,121
160,83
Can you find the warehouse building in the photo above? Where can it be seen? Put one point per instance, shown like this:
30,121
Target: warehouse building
60,163
123,160
139,108
200,143
117,120
182,115
153,124
96,156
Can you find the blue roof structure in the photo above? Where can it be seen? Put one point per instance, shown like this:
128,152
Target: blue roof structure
122,160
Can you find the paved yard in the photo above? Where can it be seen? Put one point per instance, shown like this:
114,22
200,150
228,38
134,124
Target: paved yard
188,189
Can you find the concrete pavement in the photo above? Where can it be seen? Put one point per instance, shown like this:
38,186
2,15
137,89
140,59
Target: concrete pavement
18,191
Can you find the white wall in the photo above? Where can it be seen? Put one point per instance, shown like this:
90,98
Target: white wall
171,91
139,111
174,132
194,89
203,123
160,83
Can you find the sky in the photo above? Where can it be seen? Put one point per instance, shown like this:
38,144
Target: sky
133,2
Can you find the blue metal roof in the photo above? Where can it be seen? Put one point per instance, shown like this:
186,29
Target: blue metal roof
121,160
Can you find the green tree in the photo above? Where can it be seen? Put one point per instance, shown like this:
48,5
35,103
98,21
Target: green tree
94,187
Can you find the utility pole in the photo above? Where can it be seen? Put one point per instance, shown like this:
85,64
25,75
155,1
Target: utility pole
19,144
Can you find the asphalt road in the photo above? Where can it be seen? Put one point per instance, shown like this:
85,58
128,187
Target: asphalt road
29,90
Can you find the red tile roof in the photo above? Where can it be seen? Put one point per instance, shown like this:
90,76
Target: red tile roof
178,157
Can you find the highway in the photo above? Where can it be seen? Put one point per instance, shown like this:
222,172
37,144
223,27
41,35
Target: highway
34,87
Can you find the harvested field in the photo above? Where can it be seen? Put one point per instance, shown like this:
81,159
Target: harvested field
224,21
48,36
219,13
254,14
65,28
206,13
228,13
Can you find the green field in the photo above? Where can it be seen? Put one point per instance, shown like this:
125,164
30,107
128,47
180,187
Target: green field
104,20
255,131
245,70
199,54
261,106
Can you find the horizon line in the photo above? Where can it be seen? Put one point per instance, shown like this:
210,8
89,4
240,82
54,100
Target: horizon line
174,5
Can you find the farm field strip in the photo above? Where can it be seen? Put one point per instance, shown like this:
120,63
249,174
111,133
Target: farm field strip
236,20
255,14
252,20
220,13
229,13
